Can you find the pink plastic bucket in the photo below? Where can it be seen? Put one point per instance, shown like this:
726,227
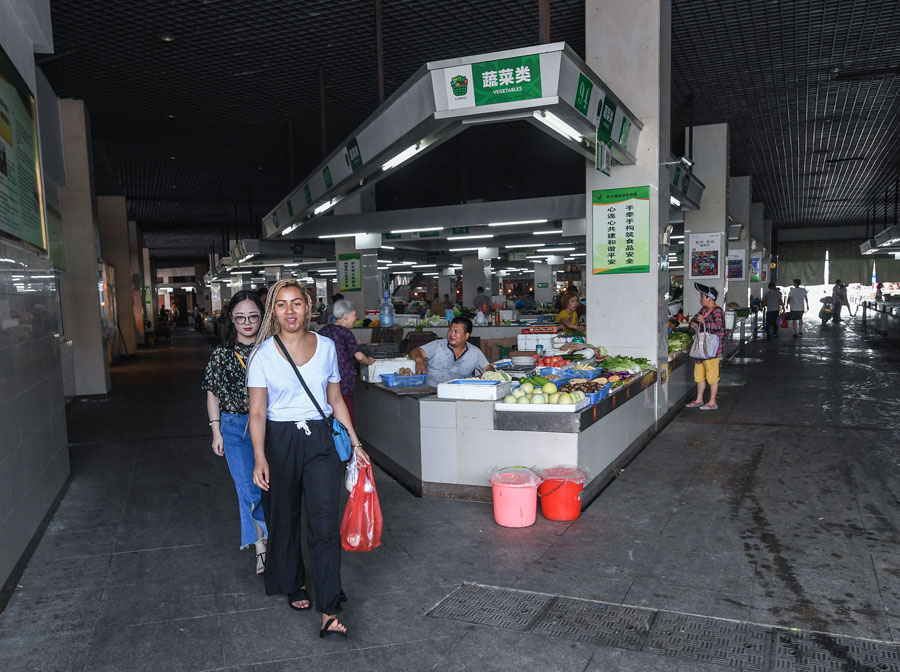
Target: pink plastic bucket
515,496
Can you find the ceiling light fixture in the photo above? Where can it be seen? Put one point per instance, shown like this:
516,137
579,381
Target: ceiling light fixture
486,235
388,247
674,201
464,249
523,246
553,122
579,254
341,235
406,154
558,249
167,38
327,205
424,265
548,233
522,221
426,228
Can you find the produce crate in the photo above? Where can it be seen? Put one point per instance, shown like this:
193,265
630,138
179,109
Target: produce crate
393,380
564,374
477,390
596,397
542,408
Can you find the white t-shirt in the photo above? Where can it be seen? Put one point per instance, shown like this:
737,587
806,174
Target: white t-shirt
797,299
288,401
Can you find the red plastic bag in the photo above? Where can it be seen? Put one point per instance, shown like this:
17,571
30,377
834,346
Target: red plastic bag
361,527
784,321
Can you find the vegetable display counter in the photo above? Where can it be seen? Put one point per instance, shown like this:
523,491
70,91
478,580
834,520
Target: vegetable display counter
447,448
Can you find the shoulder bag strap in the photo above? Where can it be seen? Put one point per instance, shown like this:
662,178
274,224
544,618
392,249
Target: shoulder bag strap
299,377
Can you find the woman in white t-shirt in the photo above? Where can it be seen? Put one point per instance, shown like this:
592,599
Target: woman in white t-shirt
295,457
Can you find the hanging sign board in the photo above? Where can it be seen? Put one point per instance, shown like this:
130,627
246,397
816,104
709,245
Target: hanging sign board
350,272
491,82
736,261
21,190
705,256
621,230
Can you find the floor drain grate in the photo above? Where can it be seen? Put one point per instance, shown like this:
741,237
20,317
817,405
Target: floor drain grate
817,652
596,622
710,640
713,641
499,607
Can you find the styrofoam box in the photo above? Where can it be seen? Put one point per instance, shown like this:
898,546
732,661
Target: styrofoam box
474,391
543,408
531,341
371,373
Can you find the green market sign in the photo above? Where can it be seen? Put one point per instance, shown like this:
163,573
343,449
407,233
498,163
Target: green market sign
491,82
583,94
326,174
621,230
354,158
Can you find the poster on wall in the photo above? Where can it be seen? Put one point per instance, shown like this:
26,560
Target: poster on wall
621,230
705,256
736,261
21,194
350,272
755,264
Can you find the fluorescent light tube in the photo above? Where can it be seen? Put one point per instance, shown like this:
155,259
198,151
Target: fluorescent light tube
425,266
579,254
406,154
558,249
388,247
674,201
555,123
464,249
522,221
427,228
341,235
242,272
485,235
327,205
524,245
547,233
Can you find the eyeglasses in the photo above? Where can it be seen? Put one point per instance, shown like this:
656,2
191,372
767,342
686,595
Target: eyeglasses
244,319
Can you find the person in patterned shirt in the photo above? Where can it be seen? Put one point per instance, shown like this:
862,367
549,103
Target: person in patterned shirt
228,406
347,348
706,371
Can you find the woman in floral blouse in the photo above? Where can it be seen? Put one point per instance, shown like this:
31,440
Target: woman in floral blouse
347,348
228,406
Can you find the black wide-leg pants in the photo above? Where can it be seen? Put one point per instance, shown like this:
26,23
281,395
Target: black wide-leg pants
303,469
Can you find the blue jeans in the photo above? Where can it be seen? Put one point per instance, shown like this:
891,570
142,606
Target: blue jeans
239,455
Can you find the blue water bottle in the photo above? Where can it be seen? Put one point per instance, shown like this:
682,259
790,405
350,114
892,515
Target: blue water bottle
386,312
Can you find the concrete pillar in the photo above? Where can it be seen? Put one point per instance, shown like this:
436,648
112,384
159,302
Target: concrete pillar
137,295
370,295
768,256
476,273
711,163
543,282
739,207
81,236
148,289
628,44
757,235
115,249
447,285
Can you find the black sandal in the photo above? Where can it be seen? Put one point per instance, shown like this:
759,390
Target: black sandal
299,595
333,634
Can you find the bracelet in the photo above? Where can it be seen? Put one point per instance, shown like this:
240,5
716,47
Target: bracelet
357,445
212,421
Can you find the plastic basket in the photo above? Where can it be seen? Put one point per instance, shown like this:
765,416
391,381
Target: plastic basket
563,374
588,374
393,380
596,397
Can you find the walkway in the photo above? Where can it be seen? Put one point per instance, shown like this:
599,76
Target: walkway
780,509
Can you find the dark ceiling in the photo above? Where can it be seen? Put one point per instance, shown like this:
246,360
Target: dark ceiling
199,131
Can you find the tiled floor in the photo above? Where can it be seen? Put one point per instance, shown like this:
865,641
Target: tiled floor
781,508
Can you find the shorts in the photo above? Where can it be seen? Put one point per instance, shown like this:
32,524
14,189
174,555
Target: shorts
707,370
795,315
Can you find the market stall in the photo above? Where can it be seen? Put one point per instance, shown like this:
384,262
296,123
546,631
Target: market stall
443,447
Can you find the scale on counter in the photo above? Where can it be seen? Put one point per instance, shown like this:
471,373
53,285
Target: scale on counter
515,371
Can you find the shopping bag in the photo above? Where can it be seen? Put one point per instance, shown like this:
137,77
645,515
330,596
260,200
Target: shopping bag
361,527
784,321
706,345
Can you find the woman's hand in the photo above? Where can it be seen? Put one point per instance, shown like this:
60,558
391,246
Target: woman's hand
370,360
362,457
217,443
261,474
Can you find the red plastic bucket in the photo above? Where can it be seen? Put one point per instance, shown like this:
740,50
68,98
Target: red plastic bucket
515,496
560,493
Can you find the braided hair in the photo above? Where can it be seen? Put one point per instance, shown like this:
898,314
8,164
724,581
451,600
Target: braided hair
270,326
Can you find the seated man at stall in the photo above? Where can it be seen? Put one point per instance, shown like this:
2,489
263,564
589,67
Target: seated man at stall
452,357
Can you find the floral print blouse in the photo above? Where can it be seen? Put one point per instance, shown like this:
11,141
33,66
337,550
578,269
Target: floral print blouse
226,377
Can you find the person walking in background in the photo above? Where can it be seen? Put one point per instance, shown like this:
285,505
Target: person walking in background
295,457
798,301
347,349
228,405
198,318
482,301
879,291
706,371
774,303
838,299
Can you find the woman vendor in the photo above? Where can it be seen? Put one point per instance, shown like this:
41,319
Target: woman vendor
568,316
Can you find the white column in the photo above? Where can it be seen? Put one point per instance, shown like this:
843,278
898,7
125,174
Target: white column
739,207
767,258
711,168
370,297
543,282
757,233
628,43
78,289
447,285
476,273
115,248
